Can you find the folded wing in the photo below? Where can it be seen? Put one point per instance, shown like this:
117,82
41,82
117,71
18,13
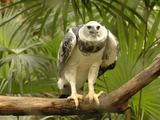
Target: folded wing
110,53
67,45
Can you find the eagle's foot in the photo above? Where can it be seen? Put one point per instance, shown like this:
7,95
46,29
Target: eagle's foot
75,97
93,96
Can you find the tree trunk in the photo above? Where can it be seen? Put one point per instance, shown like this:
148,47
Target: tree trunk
115,102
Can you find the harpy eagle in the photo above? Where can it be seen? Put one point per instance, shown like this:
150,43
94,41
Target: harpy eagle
85,53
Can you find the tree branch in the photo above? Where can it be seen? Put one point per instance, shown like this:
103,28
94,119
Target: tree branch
116,102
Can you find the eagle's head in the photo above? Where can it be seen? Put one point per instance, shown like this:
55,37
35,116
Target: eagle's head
93,32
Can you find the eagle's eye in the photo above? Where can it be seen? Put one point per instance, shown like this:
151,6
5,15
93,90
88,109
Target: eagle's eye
98,27
89,27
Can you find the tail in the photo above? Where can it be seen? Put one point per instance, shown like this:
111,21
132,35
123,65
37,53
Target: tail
63,96
64,88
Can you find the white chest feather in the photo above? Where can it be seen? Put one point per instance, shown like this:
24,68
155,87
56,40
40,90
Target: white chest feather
80,63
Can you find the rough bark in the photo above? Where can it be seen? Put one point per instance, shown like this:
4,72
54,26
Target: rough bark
116,102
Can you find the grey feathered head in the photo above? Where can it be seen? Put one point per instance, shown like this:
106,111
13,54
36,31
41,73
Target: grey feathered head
92,31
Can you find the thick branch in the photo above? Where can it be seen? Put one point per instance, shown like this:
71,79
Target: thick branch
116,101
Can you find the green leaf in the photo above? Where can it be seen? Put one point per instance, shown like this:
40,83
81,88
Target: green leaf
65,15
88,6
55,20
28,76
10,5
18,14
10,75
3,85
27,19
153,31
43,22
131,10
117,11
19,69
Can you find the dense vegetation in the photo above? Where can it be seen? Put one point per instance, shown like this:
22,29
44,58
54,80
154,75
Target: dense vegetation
31,31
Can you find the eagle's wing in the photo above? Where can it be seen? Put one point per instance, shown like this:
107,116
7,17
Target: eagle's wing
66,47
110,53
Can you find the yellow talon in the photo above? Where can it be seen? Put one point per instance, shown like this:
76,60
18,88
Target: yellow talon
93,96
75,97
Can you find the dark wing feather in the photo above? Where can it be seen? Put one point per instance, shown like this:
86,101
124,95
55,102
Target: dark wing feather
66,47
110,53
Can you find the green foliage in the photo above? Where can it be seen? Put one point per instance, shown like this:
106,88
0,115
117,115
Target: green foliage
22,59
31,31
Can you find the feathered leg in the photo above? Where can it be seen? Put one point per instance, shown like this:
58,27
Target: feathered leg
71,78
74,95
92,76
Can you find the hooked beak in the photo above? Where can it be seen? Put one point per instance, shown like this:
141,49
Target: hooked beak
94,32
